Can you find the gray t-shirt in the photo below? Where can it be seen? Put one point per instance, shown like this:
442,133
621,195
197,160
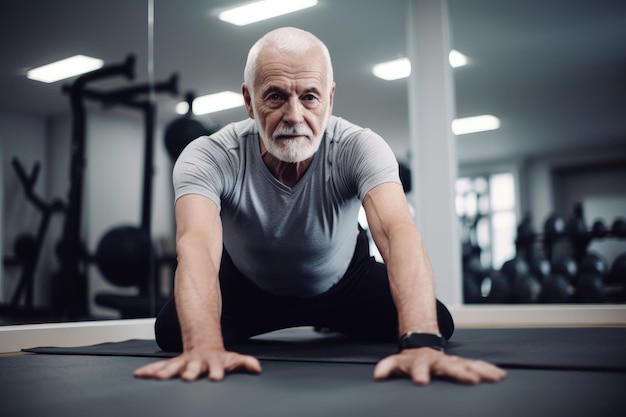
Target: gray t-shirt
289,241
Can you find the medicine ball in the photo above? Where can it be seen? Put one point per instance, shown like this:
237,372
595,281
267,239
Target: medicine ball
123,256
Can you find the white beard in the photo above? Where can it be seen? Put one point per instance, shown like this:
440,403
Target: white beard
291,150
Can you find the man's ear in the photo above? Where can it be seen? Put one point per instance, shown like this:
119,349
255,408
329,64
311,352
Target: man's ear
247,98
331,99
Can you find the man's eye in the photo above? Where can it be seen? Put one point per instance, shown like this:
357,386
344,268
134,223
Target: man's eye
275,97
310,97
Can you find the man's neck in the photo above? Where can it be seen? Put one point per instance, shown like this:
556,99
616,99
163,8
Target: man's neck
288,173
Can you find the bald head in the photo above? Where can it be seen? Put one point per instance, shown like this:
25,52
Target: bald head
288,40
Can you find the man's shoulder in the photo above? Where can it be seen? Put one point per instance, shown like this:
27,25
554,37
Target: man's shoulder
236,131
342,130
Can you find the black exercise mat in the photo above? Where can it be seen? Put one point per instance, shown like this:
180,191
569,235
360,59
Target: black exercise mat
600,349
96,386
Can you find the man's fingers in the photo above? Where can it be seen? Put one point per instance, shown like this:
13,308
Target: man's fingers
193,370
384,368
216,370
420,373
190,367
469,371
421,365
159,370
252,364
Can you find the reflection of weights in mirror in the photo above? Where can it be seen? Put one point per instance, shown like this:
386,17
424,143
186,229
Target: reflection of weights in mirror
589,281
554,236
525,288
565,266
497,288
556,289
123,257
576,230
616,279
618,228
180,132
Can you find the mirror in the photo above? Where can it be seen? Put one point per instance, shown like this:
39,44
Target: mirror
551,72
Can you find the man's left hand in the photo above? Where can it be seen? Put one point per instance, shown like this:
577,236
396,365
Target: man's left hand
422,363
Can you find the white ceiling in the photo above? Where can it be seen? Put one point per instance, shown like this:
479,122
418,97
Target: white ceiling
554,71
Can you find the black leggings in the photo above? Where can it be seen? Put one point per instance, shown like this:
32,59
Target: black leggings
359,305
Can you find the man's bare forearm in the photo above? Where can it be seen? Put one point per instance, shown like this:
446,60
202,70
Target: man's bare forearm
199,301
411,281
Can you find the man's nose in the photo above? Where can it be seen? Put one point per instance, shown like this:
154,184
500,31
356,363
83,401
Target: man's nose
293,111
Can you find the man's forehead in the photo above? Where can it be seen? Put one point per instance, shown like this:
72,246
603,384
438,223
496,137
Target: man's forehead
283,76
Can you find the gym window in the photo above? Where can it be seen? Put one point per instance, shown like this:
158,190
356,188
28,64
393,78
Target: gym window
485,205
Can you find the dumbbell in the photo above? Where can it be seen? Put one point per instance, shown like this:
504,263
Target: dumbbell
525,287
557,289
590,286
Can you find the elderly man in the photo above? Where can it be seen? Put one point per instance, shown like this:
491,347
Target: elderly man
268,238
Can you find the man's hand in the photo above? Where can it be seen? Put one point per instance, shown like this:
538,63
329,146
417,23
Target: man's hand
419,364
189,366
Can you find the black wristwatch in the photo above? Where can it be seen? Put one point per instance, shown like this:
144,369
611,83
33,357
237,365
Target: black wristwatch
413,340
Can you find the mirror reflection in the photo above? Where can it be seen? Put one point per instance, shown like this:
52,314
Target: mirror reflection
86,174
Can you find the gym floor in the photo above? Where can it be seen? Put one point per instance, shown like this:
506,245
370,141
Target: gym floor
552,371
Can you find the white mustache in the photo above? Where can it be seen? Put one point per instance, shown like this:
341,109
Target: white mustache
293,131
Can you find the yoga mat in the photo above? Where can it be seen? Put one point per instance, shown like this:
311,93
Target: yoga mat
99,386
600,349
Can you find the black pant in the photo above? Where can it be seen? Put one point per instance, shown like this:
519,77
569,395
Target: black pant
359,305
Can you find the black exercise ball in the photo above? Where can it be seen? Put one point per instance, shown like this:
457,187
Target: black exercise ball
123,256
181,132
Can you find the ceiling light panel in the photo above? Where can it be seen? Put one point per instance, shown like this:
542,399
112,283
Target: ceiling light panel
401,68
65,68
212,103
475,124
262,10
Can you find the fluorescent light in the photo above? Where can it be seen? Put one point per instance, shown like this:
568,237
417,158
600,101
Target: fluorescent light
212,103
65,68
457,59
393,70
261,10
401,68
475,124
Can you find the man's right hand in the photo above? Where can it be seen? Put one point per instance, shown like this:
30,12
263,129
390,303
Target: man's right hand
191,365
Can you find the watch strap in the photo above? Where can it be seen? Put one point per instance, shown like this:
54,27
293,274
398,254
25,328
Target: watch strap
412,340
